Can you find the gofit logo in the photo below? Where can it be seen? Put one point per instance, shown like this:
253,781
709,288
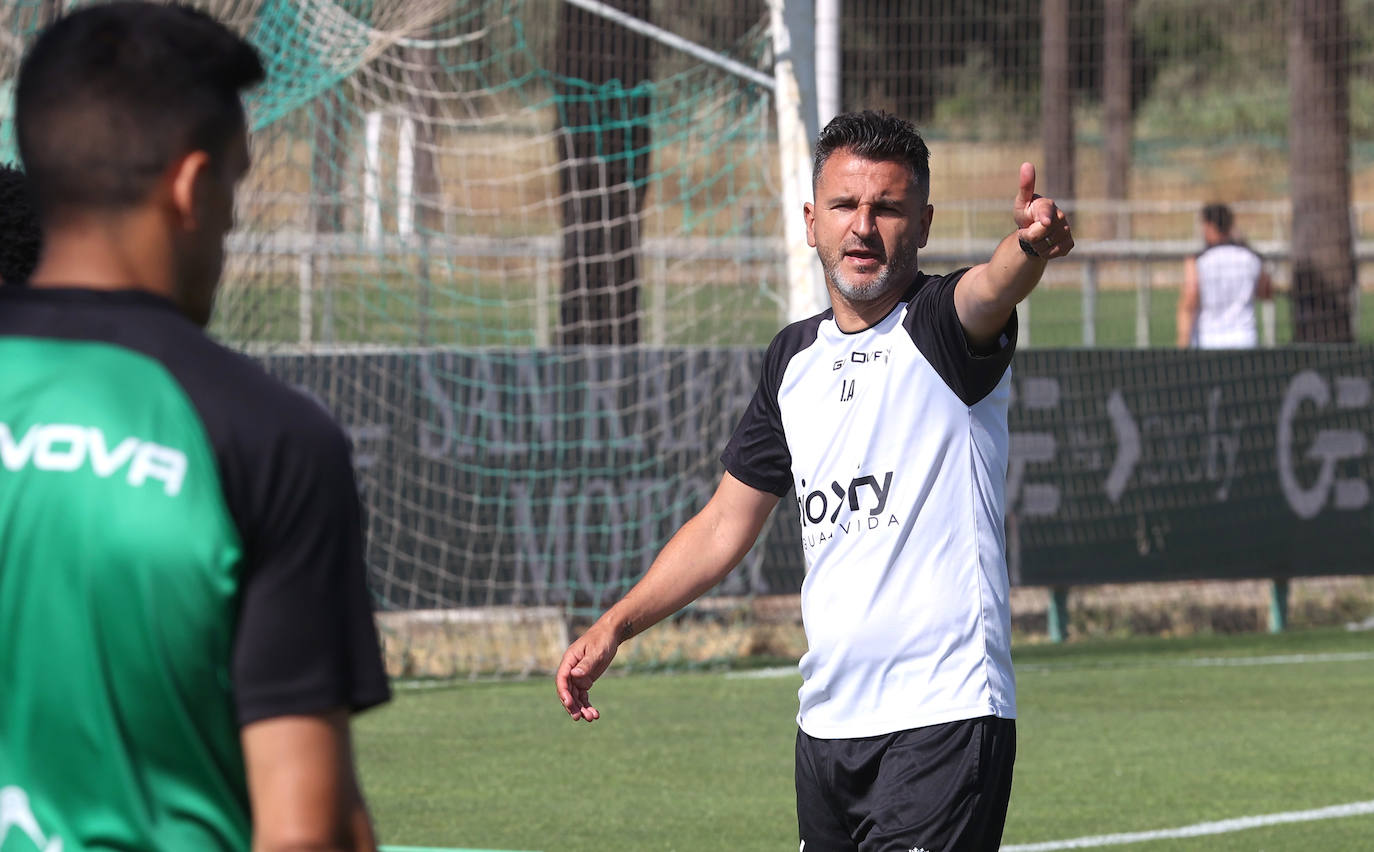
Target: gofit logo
66,447
880,357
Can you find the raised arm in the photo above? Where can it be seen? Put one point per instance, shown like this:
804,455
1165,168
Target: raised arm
988,293
1188,301
697,557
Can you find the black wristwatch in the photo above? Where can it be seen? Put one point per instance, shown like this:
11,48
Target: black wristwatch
1027,247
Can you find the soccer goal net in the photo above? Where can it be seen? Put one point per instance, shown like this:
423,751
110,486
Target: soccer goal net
505,242
529,252
528,256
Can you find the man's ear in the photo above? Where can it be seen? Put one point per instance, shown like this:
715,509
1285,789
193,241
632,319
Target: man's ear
809,211
185,177
927,216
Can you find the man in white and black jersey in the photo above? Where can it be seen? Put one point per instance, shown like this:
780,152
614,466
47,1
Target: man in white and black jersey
887,416
1216,307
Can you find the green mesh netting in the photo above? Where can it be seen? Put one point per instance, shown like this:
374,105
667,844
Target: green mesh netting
439,201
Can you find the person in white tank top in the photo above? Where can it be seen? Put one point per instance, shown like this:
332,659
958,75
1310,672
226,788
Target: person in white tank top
1216,307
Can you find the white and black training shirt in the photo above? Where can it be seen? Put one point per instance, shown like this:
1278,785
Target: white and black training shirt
1226,275
895,441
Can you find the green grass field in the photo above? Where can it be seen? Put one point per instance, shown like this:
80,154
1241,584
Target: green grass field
386,308
1124,736
1057,318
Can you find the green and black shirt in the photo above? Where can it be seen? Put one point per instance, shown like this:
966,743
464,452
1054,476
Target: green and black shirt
180,555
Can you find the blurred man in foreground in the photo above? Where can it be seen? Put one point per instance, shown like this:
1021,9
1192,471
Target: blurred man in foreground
187,626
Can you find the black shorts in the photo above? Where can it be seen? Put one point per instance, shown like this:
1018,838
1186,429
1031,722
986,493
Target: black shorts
942,788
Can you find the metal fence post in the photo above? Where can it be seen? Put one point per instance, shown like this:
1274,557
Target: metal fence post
1142,307
1278,605
542,296
305,266
1089,302
1058,613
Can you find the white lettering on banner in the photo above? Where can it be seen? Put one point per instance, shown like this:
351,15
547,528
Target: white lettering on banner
601,407
1221,447
471,408
1033,499
1151,534
598,535
1329,447
1175,437
16,814
468,415
66,448
435,441
363,438
1127,446
1161,449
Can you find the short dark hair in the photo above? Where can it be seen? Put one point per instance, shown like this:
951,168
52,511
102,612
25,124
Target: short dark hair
1219,216
19,235
111,95
874,135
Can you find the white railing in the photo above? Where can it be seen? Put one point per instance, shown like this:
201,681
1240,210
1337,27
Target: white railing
306,250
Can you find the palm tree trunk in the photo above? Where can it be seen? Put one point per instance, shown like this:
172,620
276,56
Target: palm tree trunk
605,137
1319,163
1116,97
1056,103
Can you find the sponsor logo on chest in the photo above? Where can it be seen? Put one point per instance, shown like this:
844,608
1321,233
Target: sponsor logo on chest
821,507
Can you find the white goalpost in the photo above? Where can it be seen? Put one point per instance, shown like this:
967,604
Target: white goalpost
804,85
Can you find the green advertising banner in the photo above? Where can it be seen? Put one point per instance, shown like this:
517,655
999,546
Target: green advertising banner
1156,464
552,477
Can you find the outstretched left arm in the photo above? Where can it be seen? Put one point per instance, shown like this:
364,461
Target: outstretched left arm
988,293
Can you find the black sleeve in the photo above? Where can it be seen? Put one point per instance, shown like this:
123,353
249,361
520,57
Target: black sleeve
934,325
757,452
306,639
